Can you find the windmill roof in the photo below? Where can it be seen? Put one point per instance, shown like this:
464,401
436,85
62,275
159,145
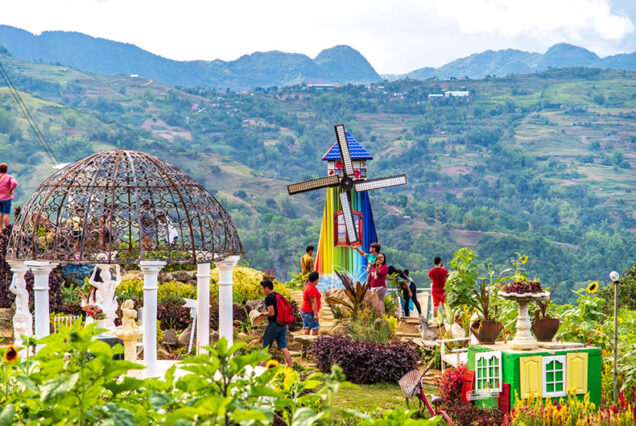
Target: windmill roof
357,151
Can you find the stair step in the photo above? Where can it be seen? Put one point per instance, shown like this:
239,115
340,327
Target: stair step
405,334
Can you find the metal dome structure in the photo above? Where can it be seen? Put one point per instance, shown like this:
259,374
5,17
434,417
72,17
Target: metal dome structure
123,207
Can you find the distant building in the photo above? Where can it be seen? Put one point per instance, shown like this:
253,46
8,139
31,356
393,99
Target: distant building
456,93
435,96
321,84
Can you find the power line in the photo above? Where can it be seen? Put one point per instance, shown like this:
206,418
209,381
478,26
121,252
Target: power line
27,115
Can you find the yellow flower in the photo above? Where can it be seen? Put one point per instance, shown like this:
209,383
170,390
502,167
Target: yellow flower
592,287
524,259
11,354
271,364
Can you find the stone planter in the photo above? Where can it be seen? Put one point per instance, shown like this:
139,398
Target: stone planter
524,340
544,329
486,331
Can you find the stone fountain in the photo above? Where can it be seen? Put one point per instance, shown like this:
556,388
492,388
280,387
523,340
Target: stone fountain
129,332
524,340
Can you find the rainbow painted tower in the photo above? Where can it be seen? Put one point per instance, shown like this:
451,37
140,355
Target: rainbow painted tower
333,251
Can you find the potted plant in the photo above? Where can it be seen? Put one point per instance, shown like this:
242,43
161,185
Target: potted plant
486,329
355,293
545,327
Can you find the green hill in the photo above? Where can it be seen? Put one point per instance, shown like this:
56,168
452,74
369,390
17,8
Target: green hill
541,164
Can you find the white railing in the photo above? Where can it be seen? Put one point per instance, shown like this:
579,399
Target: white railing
66,321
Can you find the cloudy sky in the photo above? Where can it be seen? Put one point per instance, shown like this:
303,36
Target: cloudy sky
396,36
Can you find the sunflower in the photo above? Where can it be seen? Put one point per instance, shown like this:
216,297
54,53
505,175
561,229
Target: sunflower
271,364
524,259
592,287
11,354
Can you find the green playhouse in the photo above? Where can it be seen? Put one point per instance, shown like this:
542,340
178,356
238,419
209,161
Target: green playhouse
499,375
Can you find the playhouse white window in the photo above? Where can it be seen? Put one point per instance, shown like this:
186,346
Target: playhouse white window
554,376
488,372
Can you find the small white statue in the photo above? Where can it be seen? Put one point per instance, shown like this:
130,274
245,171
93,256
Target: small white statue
105,294
22,319
128,315
129,331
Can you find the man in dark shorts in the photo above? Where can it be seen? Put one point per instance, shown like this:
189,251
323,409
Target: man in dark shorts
438,277
7,185
273,330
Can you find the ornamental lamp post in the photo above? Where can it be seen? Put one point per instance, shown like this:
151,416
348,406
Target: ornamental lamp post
614,277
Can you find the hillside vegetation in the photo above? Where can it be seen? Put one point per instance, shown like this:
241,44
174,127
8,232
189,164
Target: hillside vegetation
541,164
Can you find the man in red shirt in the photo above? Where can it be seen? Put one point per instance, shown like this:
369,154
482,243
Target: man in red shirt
438,277
310,308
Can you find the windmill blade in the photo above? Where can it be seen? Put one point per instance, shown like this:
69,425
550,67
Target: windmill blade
343,144
310,185
348,217
379,183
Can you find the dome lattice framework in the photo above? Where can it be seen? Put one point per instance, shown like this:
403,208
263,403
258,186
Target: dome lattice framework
122,206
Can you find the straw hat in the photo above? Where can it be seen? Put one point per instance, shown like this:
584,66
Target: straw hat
256,318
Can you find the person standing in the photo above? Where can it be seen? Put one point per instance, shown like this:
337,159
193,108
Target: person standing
374,250
438,277
310,308
273,331
377,278
147,224
409,292
7,185
307,262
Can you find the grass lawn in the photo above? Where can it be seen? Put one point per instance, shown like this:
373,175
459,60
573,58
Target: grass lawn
375,397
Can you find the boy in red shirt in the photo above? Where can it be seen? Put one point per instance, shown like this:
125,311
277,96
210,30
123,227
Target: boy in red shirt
438,277
310,308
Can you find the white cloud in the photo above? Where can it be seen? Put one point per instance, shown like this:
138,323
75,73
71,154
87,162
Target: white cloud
395,36
537,18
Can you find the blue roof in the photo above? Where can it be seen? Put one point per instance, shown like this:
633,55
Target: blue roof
357,151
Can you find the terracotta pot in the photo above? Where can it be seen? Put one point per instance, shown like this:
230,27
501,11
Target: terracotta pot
545,328
486,331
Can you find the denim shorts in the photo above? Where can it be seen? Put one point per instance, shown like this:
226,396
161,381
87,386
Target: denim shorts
5,206
308,321
275,332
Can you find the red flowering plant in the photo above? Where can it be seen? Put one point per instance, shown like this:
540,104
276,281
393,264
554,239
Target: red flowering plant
450,383
94,312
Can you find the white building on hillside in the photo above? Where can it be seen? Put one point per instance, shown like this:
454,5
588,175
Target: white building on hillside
456,93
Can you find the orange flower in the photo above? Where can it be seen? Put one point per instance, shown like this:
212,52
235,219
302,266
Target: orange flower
11,354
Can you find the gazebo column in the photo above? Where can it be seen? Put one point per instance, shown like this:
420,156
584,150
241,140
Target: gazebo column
203,306
226,314
151,269
22,319
41,272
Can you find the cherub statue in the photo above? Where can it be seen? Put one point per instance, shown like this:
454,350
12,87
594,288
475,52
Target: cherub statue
105,298
128,315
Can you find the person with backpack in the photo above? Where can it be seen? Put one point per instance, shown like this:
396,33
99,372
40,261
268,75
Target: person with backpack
279,314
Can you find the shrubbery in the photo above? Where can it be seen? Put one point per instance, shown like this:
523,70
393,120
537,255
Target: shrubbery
364,362
247,285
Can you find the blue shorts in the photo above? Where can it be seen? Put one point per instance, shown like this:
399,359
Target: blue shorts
308,321
275,332
5,206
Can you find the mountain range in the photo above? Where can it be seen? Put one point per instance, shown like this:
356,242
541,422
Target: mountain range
339,64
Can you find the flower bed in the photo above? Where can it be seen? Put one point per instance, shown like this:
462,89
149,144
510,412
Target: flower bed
364,362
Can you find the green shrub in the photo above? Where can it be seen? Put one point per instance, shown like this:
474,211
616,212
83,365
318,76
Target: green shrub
172,289
247,285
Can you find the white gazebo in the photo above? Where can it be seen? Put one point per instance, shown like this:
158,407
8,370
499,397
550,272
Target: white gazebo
124,207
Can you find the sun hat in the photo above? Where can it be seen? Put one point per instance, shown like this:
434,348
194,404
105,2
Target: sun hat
256,318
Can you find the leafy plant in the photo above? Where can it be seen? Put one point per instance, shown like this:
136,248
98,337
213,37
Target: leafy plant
356,295
450,383
364,362
172,314
544,306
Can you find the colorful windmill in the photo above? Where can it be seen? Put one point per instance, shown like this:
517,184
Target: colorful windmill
347,218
